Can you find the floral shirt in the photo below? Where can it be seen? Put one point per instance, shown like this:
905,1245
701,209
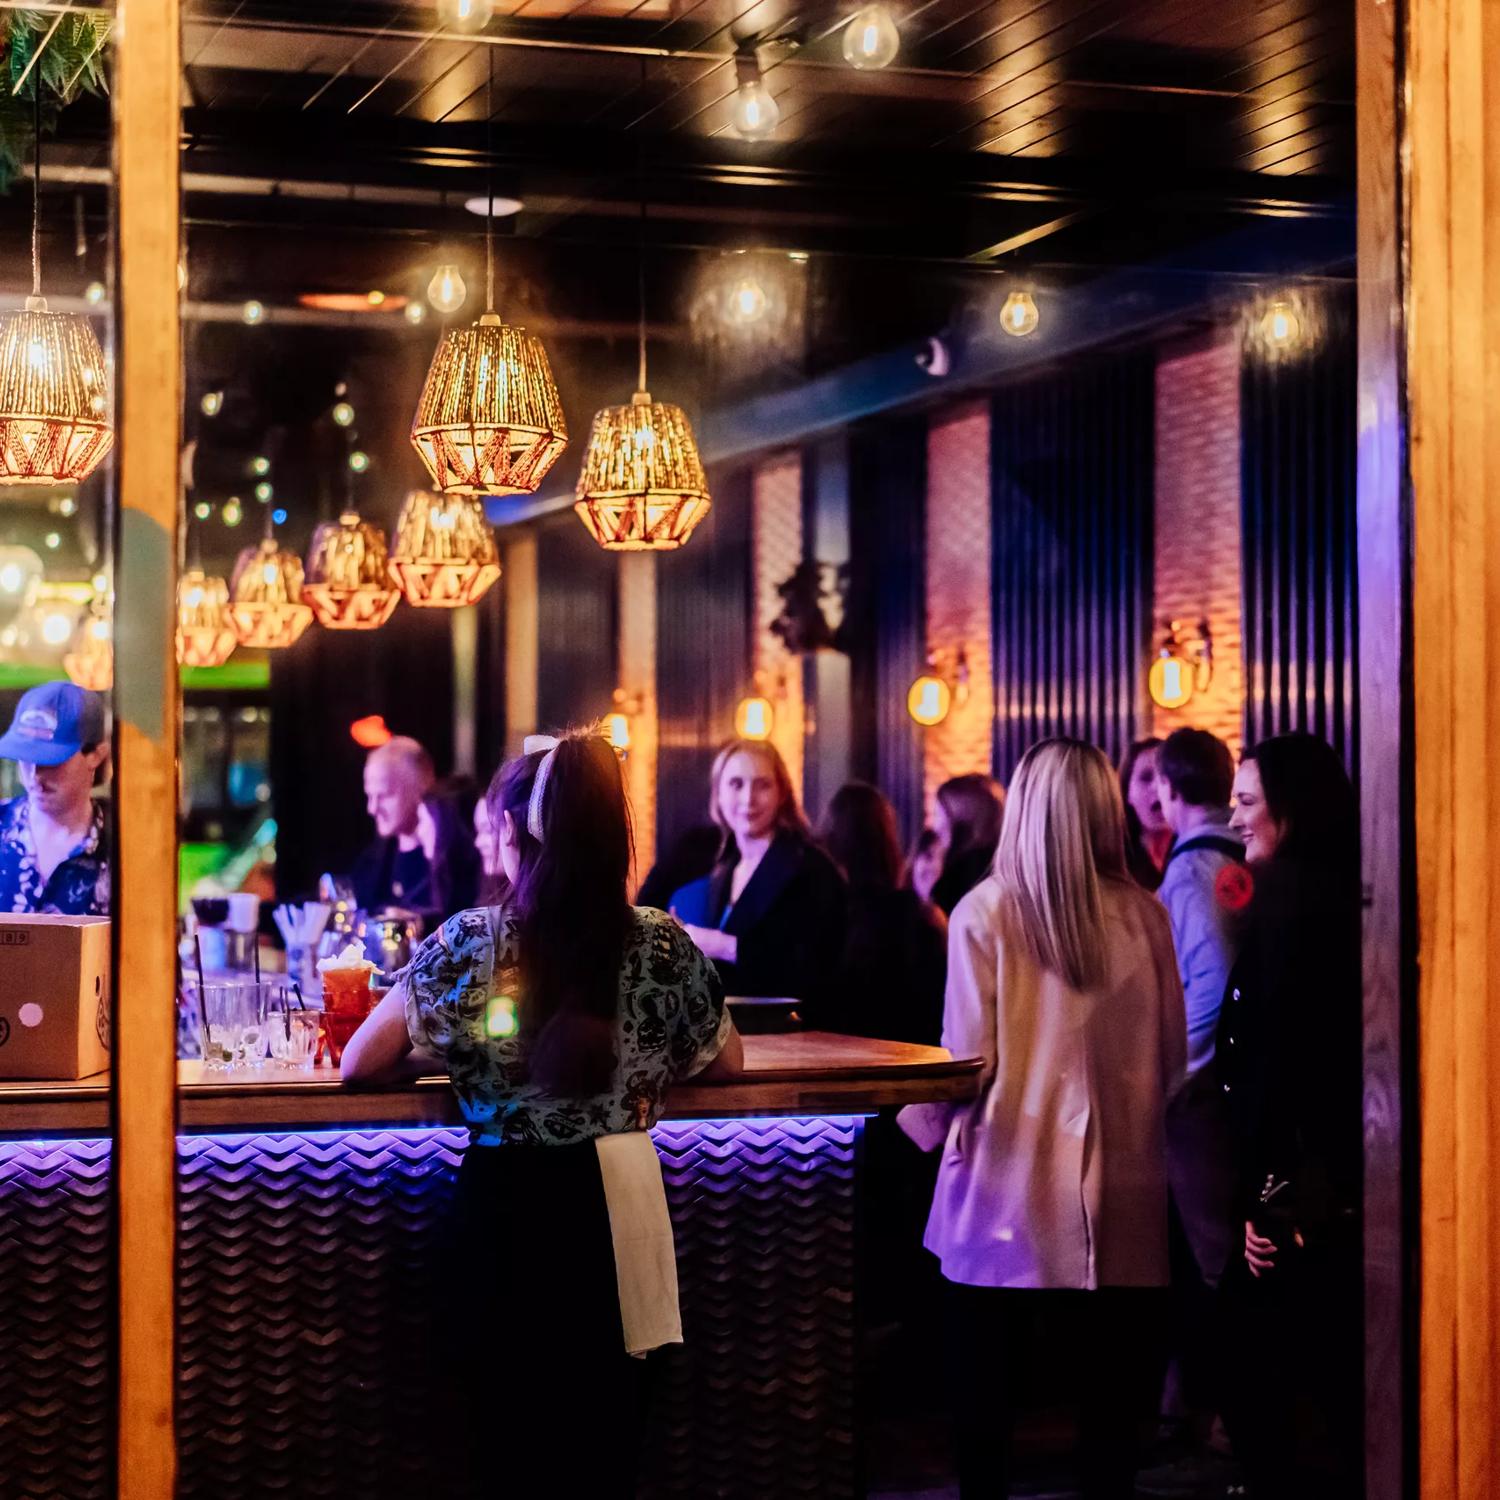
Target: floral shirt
78,887
460,1004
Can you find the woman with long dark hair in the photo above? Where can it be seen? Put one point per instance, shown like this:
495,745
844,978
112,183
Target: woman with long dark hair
896,947
562,1015
966,817
771,914
1147,836
445,834
1288,1055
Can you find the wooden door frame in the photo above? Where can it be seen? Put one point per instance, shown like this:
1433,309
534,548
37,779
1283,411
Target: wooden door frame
148,404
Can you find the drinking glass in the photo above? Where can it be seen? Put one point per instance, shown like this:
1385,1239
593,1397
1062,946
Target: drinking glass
232,1019
292,1029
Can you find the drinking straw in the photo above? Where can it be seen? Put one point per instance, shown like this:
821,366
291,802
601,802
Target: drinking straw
198,952
297,991
255,949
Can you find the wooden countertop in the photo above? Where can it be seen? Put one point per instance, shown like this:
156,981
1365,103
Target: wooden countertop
796,1073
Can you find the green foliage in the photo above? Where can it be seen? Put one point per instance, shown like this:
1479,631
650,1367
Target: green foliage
71,63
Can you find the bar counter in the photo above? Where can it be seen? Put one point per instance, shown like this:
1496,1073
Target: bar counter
314,1298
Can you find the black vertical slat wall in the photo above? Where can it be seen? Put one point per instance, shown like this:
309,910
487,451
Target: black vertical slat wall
577,620
887,606
1297,465
702,652
1072,457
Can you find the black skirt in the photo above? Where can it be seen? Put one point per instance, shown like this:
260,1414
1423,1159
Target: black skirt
553,1404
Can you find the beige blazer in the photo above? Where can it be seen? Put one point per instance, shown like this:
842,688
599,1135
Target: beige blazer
1055,1175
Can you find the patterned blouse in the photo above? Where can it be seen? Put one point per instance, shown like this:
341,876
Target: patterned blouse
78,887
460,1004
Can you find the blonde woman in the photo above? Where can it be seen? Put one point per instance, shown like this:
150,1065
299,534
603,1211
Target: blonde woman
1050,1213
772,912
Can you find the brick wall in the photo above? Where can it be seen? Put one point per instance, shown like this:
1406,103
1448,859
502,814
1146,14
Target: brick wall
958,589
1198,522
775,554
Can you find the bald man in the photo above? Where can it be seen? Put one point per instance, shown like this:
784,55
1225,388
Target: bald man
393,870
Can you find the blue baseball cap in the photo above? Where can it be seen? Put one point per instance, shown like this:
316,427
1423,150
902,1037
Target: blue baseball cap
53,723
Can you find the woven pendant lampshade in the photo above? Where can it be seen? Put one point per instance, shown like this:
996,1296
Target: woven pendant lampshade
489,421
348,576
91,662
642,487
205,638
54,424
444,553
265,597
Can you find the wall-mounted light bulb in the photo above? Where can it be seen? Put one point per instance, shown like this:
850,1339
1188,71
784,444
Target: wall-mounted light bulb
260,464
253,312
203,510
414,312
53,539
264,490
1019,316
746,302
359,461
233,513
754,718
212,403
871,39
67,506
1281,326
928,700
446,291
466,15
94,294
617,731
343,414
754,113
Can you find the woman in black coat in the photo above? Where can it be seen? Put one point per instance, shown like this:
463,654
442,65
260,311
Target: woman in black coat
896,950
1288,1057
772,912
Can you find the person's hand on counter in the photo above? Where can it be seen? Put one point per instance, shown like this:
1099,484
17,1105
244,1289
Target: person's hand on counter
721,947
381,1050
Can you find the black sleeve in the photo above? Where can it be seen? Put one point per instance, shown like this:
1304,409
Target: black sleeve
797,948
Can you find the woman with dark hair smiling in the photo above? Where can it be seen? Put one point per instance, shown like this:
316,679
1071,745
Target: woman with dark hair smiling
1288,1054
562,1015
1147,837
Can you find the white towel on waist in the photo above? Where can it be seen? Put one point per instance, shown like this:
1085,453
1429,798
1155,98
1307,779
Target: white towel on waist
645,1256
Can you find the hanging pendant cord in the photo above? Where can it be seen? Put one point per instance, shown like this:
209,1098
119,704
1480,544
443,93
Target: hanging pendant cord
489,184
640,258
36,187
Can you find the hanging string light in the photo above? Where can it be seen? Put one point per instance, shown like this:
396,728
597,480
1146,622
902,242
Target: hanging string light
489,420
642,487
54,422
443,554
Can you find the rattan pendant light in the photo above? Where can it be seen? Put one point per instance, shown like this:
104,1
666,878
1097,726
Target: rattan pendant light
489,421
205,638
642,486
348,583
266,608
444,554
54,405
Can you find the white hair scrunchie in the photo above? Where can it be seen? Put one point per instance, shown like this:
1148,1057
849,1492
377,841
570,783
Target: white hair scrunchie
529,746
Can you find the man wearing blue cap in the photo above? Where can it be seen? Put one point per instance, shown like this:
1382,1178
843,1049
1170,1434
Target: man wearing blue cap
54,856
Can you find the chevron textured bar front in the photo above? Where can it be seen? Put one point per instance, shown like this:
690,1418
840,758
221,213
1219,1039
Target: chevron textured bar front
314,1299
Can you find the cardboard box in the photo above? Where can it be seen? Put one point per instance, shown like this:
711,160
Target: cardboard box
54,996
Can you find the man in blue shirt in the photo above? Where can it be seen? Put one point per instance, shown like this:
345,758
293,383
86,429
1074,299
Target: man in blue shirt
54,856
